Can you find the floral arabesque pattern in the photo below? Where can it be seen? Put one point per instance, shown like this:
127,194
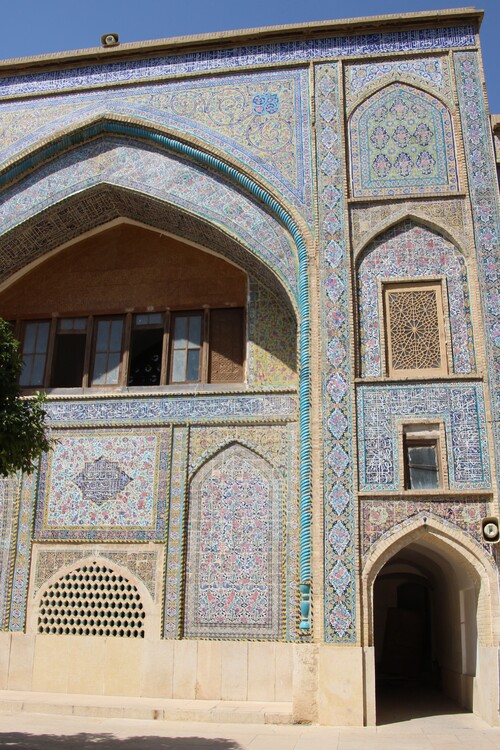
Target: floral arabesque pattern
234,557
412,251
402,143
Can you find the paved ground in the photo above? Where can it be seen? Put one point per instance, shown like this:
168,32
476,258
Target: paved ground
447,730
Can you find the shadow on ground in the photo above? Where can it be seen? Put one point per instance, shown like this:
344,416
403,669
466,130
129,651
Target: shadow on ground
84,741
400,702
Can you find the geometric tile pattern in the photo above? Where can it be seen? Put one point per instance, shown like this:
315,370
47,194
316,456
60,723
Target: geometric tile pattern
402,143
339,551
234,569
240,56
49,560
260,119
104,484
433,72
380,518
461,406
486,215
411,251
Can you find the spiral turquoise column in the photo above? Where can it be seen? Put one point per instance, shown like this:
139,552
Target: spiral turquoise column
217,165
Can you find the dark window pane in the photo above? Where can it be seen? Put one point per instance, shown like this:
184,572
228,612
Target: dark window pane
67,368
422,467
36,336
145,357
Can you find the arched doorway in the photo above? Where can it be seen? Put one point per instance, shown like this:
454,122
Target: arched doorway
431,646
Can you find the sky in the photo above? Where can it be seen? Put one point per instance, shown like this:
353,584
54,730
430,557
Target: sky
34,27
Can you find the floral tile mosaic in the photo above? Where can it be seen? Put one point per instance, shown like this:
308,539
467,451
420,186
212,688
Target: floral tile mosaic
401,142
48,560
339,550
157,174
382,408
486,214
259,119
411,251
175,559
381,518
8,507
234,583
430,72
83,212
104,485
272,340
22,560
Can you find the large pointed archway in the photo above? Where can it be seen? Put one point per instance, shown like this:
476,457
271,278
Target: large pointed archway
55,195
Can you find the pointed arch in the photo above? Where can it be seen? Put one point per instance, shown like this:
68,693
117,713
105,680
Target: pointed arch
402,143
410,250
464,608
235,548
231,205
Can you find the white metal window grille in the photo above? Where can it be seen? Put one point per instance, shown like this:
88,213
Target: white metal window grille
92,600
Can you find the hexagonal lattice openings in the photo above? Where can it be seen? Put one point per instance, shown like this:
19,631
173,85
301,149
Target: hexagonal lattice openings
92,600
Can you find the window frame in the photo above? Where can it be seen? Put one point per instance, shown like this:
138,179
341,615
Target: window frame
416,434
438,286
128,327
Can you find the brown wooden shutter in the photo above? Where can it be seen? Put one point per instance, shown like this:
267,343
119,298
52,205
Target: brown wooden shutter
226,346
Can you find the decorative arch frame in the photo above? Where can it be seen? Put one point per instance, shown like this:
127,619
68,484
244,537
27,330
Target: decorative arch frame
262,599
449,540
282,215
458,287
425,173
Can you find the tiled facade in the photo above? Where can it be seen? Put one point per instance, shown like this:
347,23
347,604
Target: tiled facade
326,168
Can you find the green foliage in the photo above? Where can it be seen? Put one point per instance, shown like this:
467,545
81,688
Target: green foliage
22,420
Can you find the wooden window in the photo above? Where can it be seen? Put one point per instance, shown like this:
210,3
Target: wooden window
421,453
414,326
107,351
143,349
187,341
69,353
34,353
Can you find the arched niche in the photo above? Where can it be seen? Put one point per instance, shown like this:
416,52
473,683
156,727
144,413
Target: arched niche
235,548
401,143
410,251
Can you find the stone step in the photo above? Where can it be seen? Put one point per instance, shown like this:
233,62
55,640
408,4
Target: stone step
160,709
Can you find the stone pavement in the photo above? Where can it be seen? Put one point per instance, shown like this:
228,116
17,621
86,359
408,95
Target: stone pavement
451,731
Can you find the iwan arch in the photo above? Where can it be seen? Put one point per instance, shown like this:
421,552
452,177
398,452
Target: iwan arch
261,472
